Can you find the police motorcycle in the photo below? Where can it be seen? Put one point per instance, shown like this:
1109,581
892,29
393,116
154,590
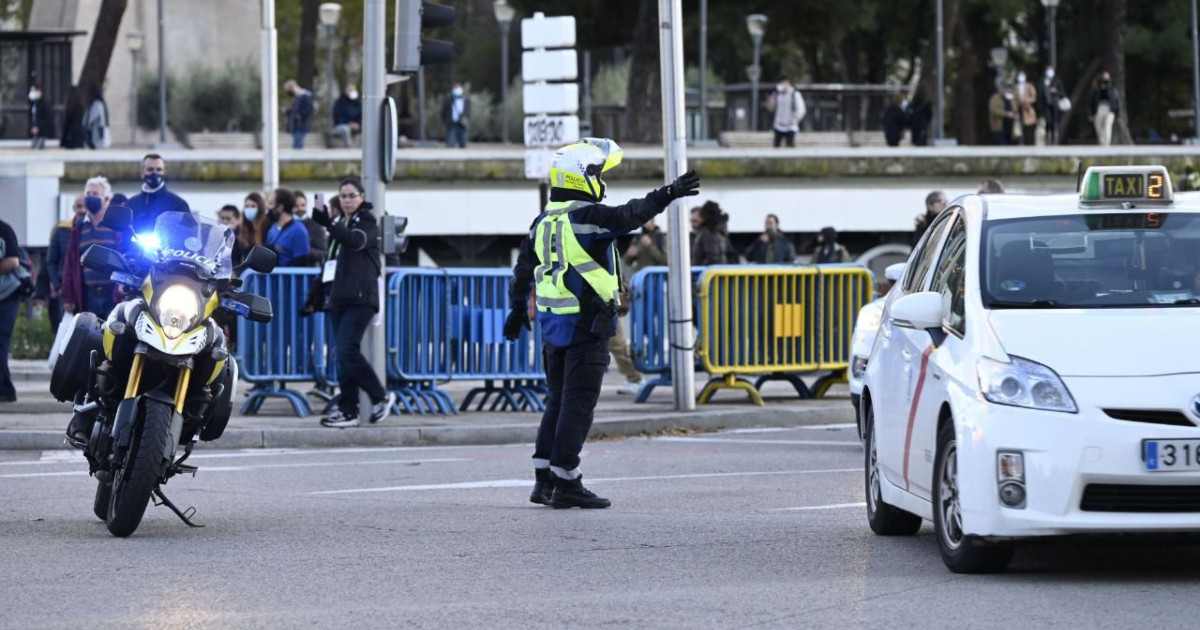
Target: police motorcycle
156,376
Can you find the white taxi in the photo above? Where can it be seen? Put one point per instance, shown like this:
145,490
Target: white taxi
1037,371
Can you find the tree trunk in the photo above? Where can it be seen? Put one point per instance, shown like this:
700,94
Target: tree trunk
1079,96
307,62
95,69
1114,62
965,110
643,107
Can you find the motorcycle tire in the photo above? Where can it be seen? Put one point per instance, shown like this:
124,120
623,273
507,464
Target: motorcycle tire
139,475
103,494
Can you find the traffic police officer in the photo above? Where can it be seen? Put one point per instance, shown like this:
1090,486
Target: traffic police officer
570,263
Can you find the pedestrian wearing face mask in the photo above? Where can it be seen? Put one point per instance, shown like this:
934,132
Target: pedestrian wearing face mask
1054,103
347,115
287,236
56,255
456,115
254,212
41,118
317,240
788,105
1026,96
83,289
773,247
154,199
1104,106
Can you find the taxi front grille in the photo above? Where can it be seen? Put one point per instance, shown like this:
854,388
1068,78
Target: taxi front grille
1100,497
1150,416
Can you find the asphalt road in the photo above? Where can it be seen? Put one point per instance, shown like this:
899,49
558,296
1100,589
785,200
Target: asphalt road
761,528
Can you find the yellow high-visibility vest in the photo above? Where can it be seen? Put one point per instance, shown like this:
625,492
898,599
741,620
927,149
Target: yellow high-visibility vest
558,250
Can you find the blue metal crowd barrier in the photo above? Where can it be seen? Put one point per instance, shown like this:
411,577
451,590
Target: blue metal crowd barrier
649,326
289,349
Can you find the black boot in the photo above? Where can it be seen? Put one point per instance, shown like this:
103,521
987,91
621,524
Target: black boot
543,486
79,432
571,493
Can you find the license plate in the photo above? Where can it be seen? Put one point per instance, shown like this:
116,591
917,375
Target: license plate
1171,455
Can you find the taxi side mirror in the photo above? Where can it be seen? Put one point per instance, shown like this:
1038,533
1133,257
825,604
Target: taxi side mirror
919,311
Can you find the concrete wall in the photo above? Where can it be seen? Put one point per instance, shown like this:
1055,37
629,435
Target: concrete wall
209,32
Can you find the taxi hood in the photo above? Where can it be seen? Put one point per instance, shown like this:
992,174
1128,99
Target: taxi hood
1103,342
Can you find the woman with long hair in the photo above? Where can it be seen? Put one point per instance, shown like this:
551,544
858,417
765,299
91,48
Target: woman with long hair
254,212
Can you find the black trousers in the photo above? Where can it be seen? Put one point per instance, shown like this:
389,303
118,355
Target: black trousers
788,137
354,371
574,375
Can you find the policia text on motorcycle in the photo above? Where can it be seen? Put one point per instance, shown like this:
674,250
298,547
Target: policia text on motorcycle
569,262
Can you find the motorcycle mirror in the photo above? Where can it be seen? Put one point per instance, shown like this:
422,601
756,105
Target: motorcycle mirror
117,218
259,259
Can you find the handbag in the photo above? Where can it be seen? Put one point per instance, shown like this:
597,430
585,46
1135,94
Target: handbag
1064,104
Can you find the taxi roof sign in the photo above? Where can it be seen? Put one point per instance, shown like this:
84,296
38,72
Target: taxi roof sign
1126,184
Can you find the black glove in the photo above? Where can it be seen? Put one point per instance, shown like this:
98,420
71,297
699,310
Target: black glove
320,215
687,185
516,319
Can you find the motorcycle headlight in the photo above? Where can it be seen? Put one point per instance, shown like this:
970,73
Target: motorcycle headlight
178,310
1024,383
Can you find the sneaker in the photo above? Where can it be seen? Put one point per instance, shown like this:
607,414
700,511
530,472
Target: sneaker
339,420
571,493
630,388
381,410
543,486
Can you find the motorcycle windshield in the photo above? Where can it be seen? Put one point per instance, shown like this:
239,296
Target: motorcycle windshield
202,244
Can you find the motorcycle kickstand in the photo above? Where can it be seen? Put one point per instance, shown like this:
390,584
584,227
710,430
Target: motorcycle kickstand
186,517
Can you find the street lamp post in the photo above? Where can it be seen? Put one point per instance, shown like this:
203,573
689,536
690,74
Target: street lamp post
939,123
135,41
756,23
703,70
329,13
162,77
999,56
504,17
1052,8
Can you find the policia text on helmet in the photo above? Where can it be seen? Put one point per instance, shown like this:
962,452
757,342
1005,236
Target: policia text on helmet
570,265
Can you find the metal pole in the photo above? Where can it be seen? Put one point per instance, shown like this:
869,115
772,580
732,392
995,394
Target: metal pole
421,104
940,112
133,100
270,98
1054,37
1195,70
330,81
756,70
703,69
504,82
679,286
162,78
374,91
587,91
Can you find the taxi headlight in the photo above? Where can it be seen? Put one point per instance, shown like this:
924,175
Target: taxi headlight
1024,383
177,310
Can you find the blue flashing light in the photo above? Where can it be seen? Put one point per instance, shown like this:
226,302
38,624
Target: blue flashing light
149,240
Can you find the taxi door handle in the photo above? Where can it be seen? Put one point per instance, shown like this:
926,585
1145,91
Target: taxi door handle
937,375
906,355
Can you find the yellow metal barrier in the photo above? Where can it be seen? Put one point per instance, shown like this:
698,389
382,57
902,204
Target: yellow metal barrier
778,322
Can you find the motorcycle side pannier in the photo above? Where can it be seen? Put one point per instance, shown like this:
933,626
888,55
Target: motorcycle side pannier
73,346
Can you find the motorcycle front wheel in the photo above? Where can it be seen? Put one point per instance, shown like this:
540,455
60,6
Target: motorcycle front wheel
139,475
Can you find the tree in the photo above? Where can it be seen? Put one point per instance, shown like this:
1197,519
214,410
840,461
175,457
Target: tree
643,110
307,59
95,68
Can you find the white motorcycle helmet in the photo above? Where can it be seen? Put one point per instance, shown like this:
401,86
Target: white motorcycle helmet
578,166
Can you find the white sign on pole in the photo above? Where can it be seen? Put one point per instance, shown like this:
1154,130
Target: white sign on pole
537,163
549,65
551,98
554,131
540,31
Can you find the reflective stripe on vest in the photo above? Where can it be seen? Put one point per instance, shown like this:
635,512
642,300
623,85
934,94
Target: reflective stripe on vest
559,250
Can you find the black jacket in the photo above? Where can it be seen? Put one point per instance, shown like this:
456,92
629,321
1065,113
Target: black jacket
42,117
785,252
1100,94
356,282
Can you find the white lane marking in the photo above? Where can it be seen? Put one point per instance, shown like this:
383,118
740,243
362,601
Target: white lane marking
512,483
835,506
69,456
733,441
250,467
757,430
823,427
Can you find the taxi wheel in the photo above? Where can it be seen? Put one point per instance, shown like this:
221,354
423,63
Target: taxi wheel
961,553
885,520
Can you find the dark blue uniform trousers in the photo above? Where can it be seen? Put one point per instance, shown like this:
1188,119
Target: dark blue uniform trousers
574,375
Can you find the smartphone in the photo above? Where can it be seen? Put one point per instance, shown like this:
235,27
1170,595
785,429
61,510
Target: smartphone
319,200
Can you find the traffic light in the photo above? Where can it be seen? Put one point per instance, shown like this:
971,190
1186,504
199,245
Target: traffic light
411,51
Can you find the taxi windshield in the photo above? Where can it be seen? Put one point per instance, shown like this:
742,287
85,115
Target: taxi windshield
183,236
1126,259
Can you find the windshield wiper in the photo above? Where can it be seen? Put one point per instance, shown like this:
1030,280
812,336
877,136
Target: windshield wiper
1041,303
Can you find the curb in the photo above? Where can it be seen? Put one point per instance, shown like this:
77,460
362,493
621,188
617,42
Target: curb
522,433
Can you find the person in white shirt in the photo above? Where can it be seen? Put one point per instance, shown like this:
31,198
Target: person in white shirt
788,105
